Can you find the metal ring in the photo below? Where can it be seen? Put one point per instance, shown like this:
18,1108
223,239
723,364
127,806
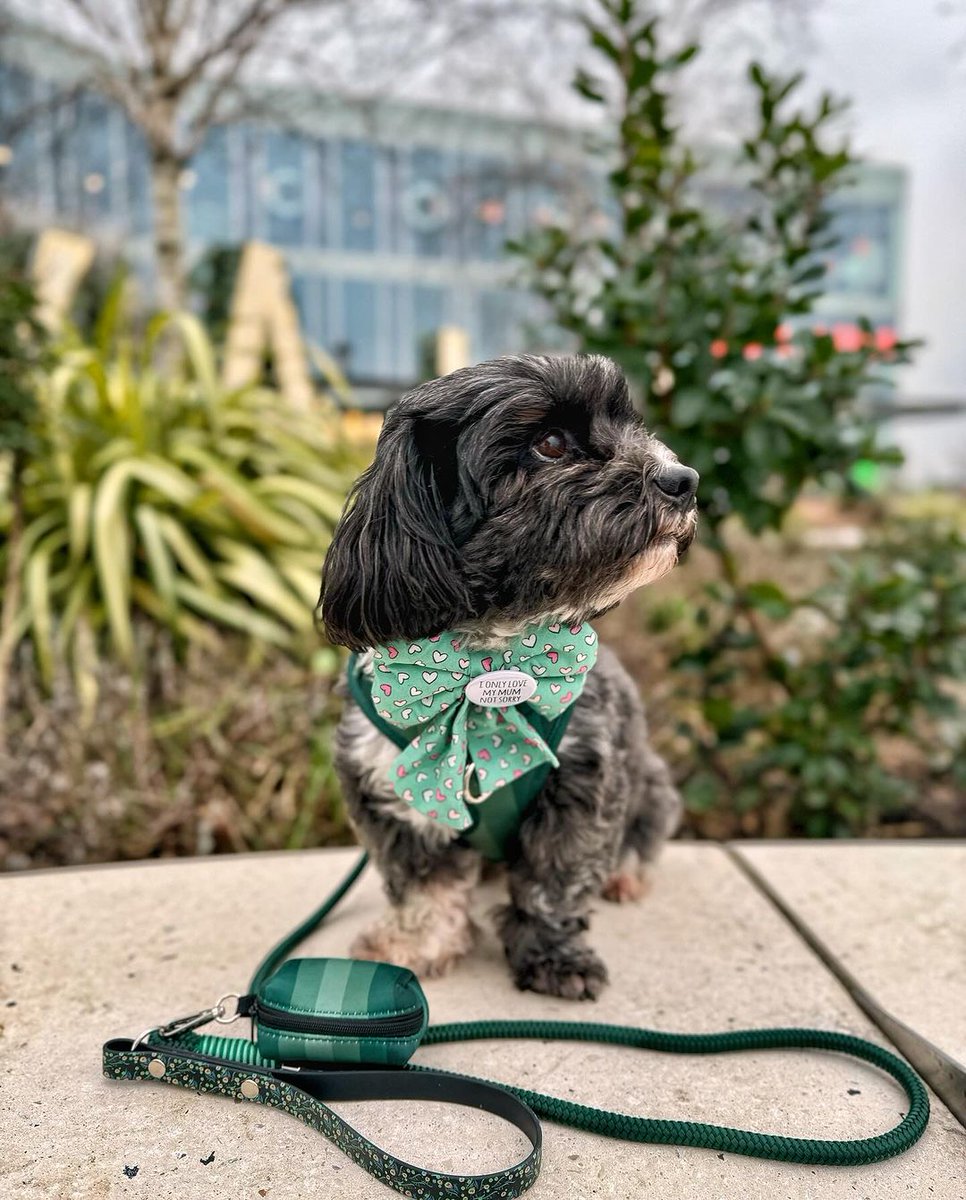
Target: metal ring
220,1009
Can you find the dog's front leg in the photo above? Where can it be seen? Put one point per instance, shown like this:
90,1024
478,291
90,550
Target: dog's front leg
428,880
568,846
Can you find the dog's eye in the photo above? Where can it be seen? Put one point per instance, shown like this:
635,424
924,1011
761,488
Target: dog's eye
550,446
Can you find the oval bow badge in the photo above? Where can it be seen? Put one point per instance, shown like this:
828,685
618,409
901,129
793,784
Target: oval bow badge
500,689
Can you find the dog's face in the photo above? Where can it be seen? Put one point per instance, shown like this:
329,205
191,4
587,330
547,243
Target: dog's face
516,490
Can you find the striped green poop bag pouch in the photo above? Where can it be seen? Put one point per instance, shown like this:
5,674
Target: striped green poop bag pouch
339,1010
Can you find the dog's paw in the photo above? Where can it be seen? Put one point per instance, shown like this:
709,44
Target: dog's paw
424,955
573,972
624,887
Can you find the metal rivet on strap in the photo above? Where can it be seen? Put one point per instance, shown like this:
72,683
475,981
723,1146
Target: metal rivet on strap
249,1089
156,1068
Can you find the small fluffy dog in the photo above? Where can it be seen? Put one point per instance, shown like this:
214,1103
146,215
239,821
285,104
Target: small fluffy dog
521,490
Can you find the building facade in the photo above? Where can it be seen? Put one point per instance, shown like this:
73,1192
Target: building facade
392,219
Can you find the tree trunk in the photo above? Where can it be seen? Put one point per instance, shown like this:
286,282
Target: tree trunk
168,231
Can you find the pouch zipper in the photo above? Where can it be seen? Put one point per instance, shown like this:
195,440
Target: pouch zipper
400,1025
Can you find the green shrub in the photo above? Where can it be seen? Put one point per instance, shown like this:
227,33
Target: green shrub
708,314
168,497
22,353
22,348
696,306
825,713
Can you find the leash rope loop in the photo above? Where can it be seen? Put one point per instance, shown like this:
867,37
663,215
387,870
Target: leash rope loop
811,1151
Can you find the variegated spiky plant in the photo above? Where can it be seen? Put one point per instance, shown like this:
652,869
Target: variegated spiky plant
167,495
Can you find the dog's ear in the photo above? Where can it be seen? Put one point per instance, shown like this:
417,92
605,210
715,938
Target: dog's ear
393,569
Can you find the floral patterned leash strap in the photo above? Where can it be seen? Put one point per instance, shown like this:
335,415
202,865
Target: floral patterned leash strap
233,1067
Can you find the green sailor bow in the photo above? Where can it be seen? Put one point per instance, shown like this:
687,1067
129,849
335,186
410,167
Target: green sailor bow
470,736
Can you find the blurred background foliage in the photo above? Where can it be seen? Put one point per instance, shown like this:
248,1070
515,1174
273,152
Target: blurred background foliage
163,539
710,317
165,690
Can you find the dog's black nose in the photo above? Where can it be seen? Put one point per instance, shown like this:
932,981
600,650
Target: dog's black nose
678,482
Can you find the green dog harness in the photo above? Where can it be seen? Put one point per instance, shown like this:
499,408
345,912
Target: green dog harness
494,824
467,714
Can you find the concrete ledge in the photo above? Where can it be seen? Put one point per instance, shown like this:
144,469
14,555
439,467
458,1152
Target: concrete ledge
90,954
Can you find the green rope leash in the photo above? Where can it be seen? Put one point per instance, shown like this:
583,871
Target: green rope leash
810,1151
813,1151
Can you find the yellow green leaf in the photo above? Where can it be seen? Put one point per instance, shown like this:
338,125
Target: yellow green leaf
37,595
200,633
234,614
158,556
112,556
84,670
79,520
77,598
327,503
244,505
249,573
185,549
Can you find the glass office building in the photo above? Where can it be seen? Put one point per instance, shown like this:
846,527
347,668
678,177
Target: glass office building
392,219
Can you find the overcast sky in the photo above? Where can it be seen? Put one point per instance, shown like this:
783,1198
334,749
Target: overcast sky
894,58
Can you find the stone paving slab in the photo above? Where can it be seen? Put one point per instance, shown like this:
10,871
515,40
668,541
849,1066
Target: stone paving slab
95,953
893,915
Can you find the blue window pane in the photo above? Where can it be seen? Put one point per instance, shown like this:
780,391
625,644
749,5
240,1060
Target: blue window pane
389,185
93,158
359,310
516,208
309,294
63,146
497,324
417,313
318,177
300,295
425,207
138,181
207,198
19,178
861,259
546,203
358,196
16,93
246,143
281,189
428,308
486,207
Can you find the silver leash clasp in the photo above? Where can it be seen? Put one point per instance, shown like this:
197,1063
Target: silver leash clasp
217,1012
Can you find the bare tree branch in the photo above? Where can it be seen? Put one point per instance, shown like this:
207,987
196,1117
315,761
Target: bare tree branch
239,39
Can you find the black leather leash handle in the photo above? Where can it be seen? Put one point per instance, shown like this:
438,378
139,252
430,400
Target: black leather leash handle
305,1093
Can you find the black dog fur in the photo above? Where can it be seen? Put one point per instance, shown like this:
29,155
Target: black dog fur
520,490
